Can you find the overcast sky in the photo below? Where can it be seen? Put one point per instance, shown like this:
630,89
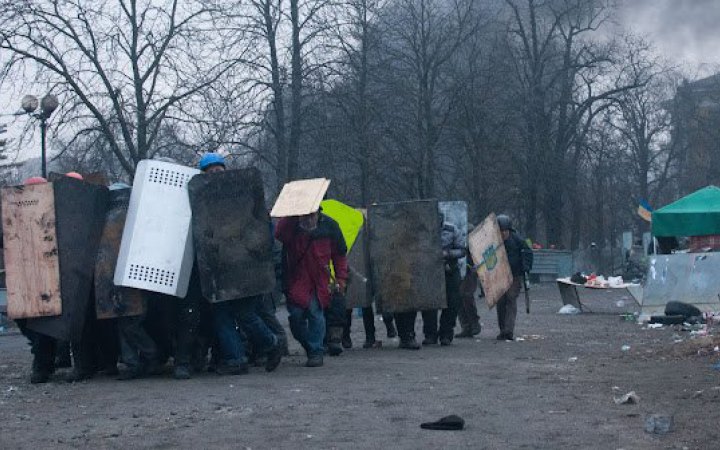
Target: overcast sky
685,31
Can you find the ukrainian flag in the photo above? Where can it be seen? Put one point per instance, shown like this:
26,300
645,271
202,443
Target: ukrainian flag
645,211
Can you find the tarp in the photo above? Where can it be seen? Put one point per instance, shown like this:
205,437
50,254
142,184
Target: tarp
697,214
351,223
350,219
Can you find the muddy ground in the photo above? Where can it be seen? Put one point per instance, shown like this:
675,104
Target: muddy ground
553,390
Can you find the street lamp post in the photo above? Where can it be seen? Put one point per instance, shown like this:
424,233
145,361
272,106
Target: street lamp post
48,104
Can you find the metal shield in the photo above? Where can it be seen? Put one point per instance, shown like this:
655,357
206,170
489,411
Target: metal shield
685,277
232,234
80,209
406,256
156,253
359,288
113,301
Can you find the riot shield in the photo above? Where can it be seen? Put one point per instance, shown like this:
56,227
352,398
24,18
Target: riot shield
491,261
156,252
406,256
456,213
113,301
31,252
79,215
232,234
359,290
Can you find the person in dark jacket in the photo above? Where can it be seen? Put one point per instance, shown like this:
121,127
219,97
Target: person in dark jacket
518,253
243,312
310,243
453,250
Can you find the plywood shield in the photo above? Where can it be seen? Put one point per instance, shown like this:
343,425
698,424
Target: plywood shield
80,210
406,256
300,197
491,261
31,253
156,253
231,233
113,301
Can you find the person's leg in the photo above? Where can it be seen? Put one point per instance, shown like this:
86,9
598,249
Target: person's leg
298,325
262,338
316,331
430,326
389,321
511,307
369,326
232,350
449,314
501,309
469,319
268,313
347,328
187,330
406,330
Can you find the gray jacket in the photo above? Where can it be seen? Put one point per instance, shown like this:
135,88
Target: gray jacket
451,241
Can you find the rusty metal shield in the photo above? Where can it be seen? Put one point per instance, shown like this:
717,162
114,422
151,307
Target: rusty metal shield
232,234
406,256
113,301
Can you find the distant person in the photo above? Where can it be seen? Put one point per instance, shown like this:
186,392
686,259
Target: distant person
517,251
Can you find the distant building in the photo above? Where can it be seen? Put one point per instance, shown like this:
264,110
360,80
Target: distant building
696,133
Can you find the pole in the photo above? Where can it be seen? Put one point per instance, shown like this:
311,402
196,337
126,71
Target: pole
43,127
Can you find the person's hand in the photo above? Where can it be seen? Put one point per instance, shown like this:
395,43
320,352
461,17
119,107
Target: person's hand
446,254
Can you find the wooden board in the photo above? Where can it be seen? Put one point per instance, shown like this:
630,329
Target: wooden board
80,209
488,252
113,301
408,271
301,197
232,234
31,253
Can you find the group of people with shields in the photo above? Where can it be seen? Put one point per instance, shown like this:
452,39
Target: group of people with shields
189,266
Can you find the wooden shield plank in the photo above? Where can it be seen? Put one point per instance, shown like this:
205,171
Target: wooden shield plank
300,197
488,252
406,256
80,214
31,253
113,301
232,234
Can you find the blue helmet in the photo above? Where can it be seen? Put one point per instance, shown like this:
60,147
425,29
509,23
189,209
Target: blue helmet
211,159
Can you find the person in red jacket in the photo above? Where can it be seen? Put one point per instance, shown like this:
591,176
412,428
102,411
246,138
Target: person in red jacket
310,243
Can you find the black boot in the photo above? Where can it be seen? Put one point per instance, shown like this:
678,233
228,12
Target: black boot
334,342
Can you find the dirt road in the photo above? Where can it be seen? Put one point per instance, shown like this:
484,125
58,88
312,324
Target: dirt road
554,390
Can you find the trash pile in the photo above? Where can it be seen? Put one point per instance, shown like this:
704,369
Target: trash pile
597,281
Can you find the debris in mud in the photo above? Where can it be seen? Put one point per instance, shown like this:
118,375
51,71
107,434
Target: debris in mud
631,398
658,424
569,310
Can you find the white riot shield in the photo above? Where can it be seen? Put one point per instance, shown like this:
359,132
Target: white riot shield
156,253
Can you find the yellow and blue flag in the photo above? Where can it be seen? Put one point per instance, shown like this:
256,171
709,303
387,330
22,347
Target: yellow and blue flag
645,211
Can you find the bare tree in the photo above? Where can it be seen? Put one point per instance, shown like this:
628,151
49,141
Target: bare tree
127,66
